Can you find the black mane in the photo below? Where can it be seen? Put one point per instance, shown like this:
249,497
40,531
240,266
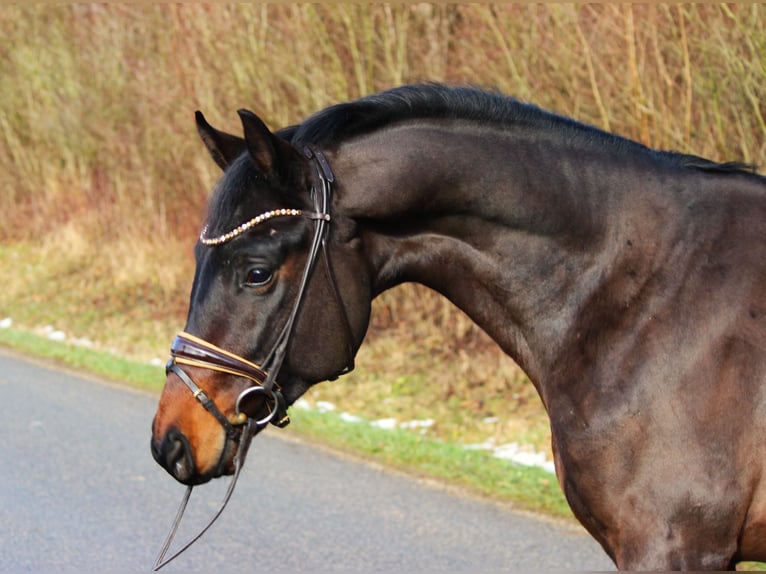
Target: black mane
340,122
420,101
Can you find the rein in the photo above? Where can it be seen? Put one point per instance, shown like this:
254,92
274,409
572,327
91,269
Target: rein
239,462
191,351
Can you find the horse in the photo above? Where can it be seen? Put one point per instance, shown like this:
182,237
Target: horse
628,283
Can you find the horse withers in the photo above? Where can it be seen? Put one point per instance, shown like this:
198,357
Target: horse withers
628,283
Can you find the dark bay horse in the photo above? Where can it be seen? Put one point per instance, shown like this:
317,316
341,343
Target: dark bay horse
628,283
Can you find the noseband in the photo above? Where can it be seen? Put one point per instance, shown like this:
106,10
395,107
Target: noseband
190,351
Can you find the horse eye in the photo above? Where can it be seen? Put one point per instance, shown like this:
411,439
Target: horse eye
258,277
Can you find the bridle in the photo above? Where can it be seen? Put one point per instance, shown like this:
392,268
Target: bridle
190,351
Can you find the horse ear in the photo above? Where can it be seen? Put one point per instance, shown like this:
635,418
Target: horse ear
270,153
224,148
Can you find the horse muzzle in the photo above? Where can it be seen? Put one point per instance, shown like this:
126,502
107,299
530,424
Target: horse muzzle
173,452
185,440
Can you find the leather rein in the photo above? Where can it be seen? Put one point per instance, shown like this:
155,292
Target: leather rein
190,351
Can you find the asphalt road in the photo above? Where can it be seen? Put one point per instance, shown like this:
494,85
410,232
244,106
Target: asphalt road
79,490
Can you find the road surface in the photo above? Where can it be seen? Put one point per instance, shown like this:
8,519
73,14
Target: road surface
79,490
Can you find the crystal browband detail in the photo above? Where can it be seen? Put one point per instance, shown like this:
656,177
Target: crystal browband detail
239,230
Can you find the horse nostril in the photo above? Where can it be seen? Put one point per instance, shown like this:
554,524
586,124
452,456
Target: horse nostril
173,455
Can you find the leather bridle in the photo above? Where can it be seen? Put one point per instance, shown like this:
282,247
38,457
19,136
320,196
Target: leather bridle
190,351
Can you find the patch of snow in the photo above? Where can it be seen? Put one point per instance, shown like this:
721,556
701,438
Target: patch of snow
302,404
417,424
386,424
525,455
488,444
325,406
57,336
514,452
349,418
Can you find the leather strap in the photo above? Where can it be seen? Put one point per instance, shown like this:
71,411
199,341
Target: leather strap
190,350
204,400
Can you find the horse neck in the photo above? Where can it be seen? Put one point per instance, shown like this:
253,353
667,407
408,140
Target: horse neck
512,230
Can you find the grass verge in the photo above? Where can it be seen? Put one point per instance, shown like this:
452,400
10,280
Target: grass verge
478,472
97,362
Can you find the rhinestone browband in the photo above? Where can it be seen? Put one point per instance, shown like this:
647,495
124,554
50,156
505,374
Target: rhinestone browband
239,230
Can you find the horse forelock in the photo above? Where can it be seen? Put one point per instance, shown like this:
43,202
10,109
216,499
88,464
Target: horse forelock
243,192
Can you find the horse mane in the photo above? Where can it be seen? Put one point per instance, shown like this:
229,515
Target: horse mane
433,101
418,101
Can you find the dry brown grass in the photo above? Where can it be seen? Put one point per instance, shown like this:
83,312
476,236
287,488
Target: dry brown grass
103,181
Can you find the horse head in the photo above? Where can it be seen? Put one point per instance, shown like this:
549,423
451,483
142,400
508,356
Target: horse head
280,301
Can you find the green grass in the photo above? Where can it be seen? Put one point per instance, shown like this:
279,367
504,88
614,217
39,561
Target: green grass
476,471
97,362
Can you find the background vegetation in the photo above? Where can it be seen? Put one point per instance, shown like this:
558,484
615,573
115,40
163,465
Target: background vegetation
103,181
